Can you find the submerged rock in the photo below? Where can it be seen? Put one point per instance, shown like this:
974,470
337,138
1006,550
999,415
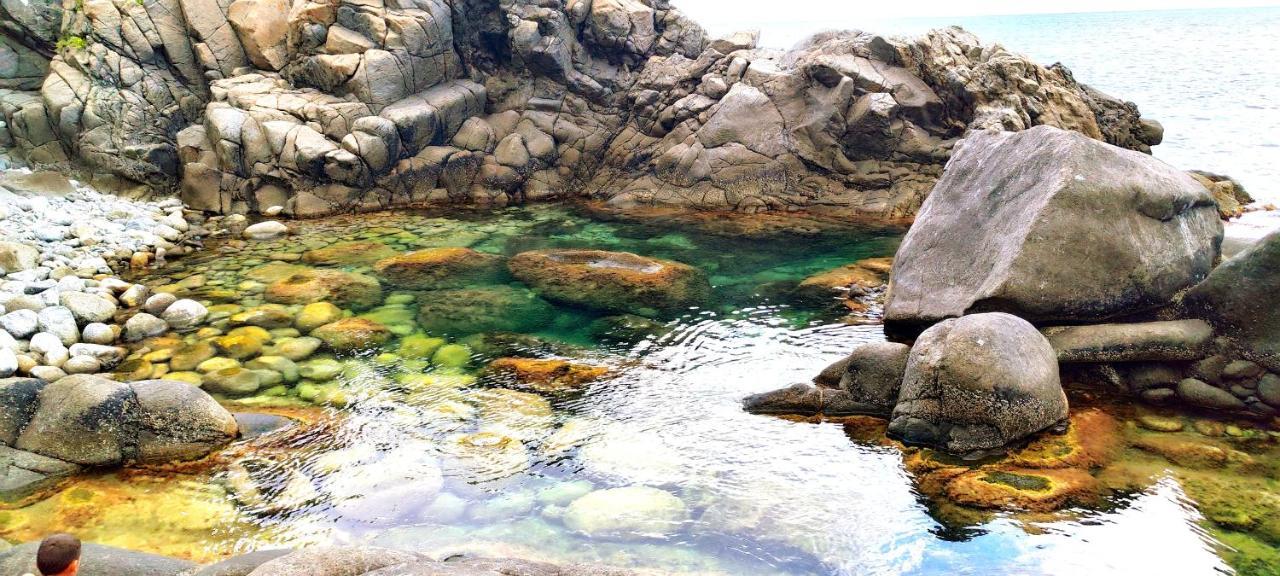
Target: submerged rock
978,383
546,375
627,513
345,289
1052,226
463,312
612,281
356,253
352,335
438,269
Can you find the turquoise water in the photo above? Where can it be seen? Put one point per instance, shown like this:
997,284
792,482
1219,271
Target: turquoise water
439,459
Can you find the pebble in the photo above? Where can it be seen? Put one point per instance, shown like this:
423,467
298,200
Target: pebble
158,303
48,373
19,323
1160,423
8,363
82,365
268,230
98,333
60,321
184,314
142,326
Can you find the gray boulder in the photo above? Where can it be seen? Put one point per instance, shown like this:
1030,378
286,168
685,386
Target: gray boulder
1240,299
1052,226
335,561
978,383
1147,341
808,400
873,375
97,560
93,421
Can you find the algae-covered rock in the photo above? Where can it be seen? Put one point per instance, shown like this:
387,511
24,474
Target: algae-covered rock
315,315
438,268
344,289
263,317
492,309
352,335
612,281
361,252
546,375
627,513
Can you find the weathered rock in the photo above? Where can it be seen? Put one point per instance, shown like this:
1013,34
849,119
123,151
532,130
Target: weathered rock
1240,300
873,375
808,400
614,281
438,269
178,421
16,257
334,561
345,289
978,383
1060,227
261,26
1148,341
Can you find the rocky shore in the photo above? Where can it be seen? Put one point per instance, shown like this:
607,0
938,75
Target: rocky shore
1043,259
330,106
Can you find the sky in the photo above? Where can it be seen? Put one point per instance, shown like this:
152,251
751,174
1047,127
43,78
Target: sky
779,20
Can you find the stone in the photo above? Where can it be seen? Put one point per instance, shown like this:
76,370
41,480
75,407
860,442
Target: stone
438,269
232,381
612,281
297,348
462,312
335,561
1241,370
60,321
98,333
8,363
344,289
157,303
269,317
1176,340
547,376
315,315
109,356
262,27
93,421
352,335
278,364
25,474
320,369
184,314
88,307
16,257
1198,393
20,324
627,513
82,365
978,383
807,400
142,326
178,422
873,374
349,254
1061,226
269,230
1269,390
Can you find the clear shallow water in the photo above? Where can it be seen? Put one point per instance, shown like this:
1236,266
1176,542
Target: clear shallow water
450,464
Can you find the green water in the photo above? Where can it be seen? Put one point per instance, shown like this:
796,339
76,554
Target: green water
429,452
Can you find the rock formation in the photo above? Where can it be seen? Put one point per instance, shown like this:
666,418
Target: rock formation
328,105
1052,226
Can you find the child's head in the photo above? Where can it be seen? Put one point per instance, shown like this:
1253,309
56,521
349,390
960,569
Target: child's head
59,555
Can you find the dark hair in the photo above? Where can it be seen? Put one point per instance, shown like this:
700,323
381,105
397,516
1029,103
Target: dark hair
56,554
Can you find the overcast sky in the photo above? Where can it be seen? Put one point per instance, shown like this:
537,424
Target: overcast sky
784,17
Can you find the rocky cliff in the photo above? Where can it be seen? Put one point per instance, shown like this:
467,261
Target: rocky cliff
331,105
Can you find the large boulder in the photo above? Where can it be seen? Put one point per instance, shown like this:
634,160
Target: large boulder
978,383
93,421
1241,300
1051,225
1145,341
612,281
